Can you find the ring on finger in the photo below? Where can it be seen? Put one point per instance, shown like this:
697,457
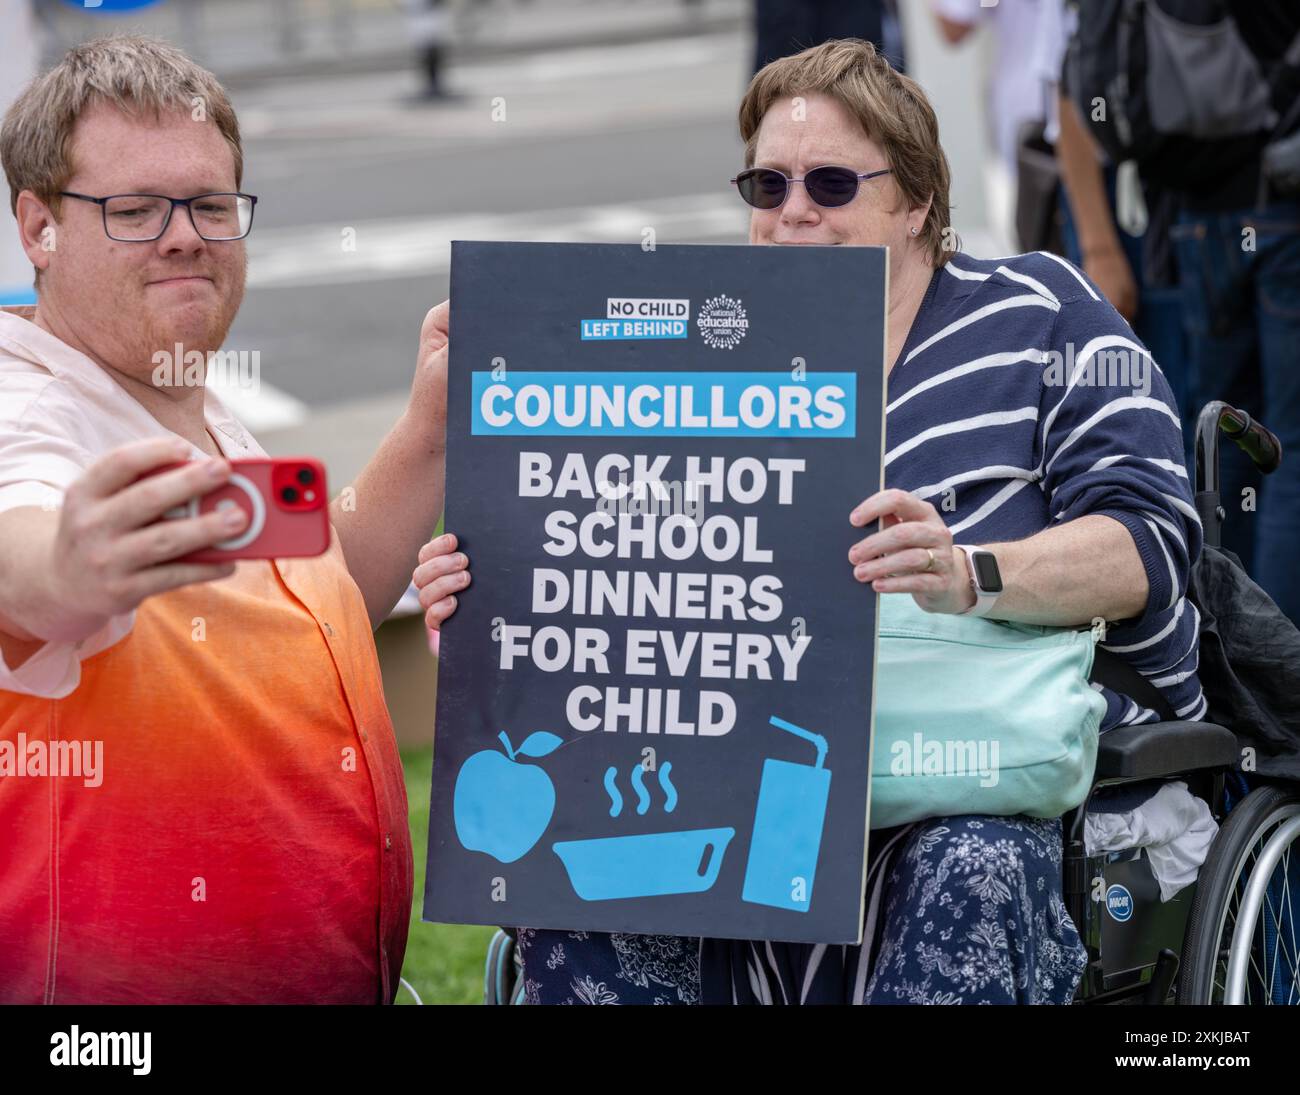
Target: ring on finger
929,566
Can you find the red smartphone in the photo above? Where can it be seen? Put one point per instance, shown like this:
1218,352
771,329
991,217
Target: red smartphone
287,505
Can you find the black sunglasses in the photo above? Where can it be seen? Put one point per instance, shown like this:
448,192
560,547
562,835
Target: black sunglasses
767,188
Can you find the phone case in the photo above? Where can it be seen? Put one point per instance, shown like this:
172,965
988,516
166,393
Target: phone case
279,527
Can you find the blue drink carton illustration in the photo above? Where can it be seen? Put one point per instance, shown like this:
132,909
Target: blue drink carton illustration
788,824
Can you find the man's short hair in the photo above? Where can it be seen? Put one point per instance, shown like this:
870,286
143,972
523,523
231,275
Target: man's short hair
891,108
134,73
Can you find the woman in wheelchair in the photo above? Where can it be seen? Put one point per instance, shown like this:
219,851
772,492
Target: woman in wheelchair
1035,473
1023,417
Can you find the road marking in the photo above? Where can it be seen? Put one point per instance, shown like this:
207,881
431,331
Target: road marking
535,91
587,62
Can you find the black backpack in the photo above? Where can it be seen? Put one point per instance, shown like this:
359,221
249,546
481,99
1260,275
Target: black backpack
1171,85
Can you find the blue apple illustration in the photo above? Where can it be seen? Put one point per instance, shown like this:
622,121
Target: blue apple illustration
502,807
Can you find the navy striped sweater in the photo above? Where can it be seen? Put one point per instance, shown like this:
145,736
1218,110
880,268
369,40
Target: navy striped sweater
1022,400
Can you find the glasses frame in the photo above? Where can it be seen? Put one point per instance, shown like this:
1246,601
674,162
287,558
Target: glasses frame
859,175
167,220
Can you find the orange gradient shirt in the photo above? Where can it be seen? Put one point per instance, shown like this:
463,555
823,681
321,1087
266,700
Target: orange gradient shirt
243,837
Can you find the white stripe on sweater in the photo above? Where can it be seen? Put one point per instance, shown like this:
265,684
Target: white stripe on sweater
961,425
988,507
1028,356
1194,711
1032,283
1090,349
1176,678
1024,279
1115,406
1027,301
1196,640
1073,271
1183,602
1158,461
992,472
1174,591
1173,530
1182,507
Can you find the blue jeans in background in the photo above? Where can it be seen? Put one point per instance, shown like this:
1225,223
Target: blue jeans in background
1240,280
1159,320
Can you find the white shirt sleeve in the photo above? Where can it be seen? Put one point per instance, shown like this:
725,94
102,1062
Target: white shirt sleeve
37,464
54,671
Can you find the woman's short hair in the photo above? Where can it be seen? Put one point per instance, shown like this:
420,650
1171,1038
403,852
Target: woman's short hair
134,73
891,108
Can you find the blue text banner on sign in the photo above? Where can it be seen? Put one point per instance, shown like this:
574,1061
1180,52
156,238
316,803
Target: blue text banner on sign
635,404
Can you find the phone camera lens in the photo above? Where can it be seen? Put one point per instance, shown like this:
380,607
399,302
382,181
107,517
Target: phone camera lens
289,494
306,476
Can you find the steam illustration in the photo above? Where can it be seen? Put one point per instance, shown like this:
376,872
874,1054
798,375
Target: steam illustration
638,785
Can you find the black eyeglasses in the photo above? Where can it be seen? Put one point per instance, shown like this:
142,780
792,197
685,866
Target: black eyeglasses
767,188
139,218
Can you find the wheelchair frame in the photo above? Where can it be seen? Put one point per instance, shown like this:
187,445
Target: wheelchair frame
1215,923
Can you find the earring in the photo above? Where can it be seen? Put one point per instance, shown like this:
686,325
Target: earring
914,230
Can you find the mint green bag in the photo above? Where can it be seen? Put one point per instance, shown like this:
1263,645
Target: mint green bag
979,716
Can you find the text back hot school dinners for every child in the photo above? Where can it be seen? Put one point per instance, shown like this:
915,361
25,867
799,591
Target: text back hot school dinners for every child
614,509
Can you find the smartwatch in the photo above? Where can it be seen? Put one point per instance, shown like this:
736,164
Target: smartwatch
985,579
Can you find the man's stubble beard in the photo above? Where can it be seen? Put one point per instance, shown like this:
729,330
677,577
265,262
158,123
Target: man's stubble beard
157,337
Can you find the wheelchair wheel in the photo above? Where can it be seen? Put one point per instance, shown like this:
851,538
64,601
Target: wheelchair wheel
1243,931
500,975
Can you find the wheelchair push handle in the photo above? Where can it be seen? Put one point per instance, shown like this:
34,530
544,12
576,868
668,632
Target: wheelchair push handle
1253,438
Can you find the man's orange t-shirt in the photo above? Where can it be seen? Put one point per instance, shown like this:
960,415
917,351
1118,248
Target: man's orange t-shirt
244,837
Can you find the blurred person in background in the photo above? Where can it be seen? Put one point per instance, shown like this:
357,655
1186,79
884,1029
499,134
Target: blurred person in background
1023,178
431,31
1015,95
1238,244
1118,234
1212,121
783,27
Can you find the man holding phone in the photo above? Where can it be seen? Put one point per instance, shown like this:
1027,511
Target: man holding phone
244,836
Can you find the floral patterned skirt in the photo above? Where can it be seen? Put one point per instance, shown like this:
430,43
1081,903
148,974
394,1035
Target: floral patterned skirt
959,910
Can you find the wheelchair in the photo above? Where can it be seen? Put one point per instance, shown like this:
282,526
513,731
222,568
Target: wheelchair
1233,936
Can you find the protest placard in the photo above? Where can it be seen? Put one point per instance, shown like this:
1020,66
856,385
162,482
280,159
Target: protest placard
654,701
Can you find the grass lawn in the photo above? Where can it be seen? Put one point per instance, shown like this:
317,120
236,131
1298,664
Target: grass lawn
443,961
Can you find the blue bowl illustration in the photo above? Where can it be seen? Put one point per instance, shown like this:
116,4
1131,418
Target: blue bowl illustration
646,865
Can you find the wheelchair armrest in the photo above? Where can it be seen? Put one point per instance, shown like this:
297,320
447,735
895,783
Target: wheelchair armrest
1156,749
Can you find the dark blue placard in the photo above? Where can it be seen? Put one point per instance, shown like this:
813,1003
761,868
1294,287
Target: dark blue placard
752,823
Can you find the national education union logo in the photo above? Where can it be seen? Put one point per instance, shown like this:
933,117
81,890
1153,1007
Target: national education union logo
722,322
